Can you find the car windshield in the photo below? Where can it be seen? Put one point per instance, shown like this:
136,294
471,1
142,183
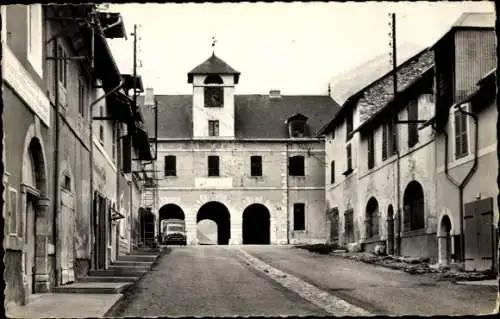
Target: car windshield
175,228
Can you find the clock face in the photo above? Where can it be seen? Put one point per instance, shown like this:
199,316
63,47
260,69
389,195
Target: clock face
213,97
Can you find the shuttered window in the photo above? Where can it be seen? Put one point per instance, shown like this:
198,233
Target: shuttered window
385,133
170,165
349,125
349,157
393,134
412,127
332,172
371,151
461,138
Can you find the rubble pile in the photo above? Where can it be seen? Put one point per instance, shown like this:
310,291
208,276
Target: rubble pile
411,265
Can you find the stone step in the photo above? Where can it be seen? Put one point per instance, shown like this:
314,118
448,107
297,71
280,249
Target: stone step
130,268
119,272
108,279
94,287
137,258
128,263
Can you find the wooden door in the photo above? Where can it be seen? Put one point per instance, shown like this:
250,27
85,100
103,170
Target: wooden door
66,235
29,241
478,235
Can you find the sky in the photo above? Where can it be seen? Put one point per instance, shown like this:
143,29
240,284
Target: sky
294,47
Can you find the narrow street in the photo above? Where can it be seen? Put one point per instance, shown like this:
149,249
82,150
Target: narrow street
210,281
377,289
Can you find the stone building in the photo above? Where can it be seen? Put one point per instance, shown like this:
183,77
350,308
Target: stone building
48,90
414,167
249,163
376,165
466,112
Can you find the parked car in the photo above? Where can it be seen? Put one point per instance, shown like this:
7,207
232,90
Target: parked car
173,231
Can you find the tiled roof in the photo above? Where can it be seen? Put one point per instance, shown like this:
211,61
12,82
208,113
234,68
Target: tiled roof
256,116
350,82
213,65
382,91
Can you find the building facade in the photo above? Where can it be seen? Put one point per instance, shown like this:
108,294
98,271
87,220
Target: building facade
50,146
466,142
249,163
415,166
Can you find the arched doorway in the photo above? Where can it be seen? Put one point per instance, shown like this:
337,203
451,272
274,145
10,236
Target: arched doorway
371,218
35,203
444,240
256,225
170,211
218,213
413,206
390,230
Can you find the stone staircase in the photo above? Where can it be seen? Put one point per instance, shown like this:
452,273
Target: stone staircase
119,276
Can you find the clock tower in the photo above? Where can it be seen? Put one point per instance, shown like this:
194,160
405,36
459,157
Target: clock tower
213,98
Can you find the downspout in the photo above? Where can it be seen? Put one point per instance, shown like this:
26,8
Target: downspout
287,196
56,162
465,181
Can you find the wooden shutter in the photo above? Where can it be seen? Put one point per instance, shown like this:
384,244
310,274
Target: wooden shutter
470,237
371,149
349,157
394,136
127,154
385,132
332,172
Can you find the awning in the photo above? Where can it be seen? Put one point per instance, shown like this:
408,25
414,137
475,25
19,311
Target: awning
105,65
120,107
140,141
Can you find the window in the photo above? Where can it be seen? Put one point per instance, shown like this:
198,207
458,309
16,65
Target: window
214,96
298,128
299,216
461,136
12,211
62,66
101,127
385,137
332,172
34,37
348,125
371,150
256,165
66,183
412,127
170,165
213,166
349,157
81,98
113,147
213,128
296,166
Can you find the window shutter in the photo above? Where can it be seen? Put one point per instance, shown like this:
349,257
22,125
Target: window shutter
332,172
371,155
385,132
127,154
349,161
394,136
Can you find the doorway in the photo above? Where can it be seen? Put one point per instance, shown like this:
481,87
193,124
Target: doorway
256,225
29,241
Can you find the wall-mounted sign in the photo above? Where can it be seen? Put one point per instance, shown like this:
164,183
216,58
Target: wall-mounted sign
20,81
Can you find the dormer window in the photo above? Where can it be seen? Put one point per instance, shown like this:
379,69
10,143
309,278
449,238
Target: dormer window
297,126
214,91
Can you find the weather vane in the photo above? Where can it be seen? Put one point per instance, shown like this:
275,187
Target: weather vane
213,45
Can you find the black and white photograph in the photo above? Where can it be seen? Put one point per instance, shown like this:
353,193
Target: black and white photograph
250,159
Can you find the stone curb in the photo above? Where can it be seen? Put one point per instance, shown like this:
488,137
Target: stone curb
318,297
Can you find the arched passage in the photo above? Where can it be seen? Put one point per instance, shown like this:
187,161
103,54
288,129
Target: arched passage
413,205
444,240
218,213
372,218
256,225
170,211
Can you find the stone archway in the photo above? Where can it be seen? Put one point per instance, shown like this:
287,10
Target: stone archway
256,225
34,203
218,213
413,207
371,218
444,240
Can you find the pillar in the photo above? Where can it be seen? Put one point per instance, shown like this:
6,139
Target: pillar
236,230
191,227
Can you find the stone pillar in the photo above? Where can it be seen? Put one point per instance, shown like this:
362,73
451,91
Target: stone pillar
191,234
41,267
236,230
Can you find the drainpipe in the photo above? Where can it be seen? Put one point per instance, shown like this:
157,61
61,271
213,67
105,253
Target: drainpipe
287,196
466,180
56,161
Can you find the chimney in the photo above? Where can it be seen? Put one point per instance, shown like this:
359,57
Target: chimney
274,94
149,97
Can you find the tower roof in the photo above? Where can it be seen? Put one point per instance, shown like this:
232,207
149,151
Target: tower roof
213,65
